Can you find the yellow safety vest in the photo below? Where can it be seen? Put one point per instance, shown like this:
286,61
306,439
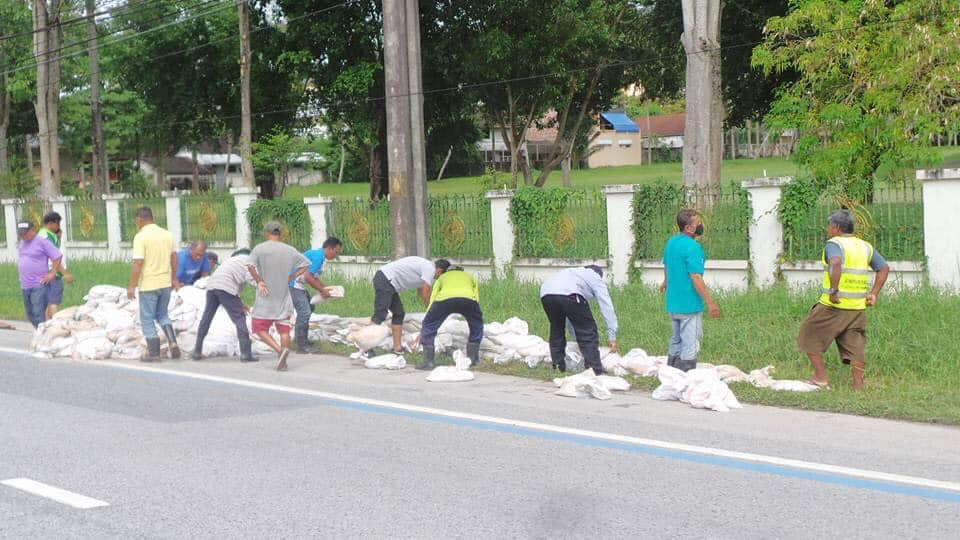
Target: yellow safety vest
855,274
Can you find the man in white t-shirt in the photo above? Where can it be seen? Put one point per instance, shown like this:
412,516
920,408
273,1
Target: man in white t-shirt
399,275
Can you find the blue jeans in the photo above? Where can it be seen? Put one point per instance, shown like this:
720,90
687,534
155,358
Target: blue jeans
35,303
302,305
687,332
153,311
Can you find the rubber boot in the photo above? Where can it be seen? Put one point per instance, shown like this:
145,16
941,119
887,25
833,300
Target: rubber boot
473,353
246,349
687,365
428,354
560,365
301,334
172,348
153,350
672,361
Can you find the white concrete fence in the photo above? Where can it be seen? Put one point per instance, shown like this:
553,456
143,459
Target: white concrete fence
765,267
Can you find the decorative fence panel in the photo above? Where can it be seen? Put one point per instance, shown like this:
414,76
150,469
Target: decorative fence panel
579,232
87,219
128,213
210,217
363,226
460,226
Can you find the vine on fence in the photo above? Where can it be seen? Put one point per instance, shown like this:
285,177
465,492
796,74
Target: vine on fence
292,216
800,199
539,221
648,199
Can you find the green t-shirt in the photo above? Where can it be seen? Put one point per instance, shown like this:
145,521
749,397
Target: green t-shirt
55,240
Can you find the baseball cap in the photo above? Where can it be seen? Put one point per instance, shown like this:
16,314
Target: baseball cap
24,226
273,227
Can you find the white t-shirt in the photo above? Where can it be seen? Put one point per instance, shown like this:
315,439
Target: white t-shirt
409,273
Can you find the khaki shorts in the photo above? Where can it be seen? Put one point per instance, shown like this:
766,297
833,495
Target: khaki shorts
825,324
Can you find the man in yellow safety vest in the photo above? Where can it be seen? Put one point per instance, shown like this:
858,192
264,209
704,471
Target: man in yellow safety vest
840,314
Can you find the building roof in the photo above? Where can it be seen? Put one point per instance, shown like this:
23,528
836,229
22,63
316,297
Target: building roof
181,166
211,159
663,125
620,121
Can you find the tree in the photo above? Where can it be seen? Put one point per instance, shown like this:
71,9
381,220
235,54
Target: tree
702,133
864,108
101,184
46,49
14,19
278,150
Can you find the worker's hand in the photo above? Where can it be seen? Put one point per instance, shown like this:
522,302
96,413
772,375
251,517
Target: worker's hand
871,299
246,309
613,345
663,287
324,292
131,292
68,278
713,310
262,289
835,298
177,285
48,277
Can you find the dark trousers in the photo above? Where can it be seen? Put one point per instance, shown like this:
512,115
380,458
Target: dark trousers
386,298
576,309
234,308
439,311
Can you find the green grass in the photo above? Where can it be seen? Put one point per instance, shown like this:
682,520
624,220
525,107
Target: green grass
913,371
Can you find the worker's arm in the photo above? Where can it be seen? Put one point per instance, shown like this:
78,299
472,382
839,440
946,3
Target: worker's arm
608,313
878,283
262,288
52,274
174,265
836,269
424,292
701,288
315,282
663,284
134,278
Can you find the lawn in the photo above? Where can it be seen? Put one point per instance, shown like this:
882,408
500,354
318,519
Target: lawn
913,371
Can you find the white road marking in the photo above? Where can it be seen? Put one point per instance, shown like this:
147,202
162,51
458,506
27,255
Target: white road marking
63,496
549,428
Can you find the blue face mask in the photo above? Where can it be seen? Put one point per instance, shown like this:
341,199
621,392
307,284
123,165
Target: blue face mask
699,230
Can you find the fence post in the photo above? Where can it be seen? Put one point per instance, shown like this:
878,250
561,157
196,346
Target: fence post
174,223
318,207
941,218
766,231
243,197
501,230
114,231
620,237
10,226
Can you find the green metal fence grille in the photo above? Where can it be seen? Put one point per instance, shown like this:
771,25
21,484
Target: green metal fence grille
87,219
460,226
128,213
580,233
362,226
210,217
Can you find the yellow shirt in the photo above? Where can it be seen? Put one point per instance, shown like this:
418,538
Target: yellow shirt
154,245
455,284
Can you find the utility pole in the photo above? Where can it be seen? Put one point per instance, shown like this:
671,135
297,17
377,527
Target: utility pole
406,154
98,160
246,128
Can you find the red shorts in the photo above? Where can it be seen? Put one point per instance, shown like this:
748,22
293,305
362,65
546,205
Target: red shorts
263,325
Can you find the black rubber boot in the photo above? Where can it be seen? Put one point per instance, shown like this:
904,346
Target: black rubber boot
672,361
301,334
473,353
598,370
196,355
246,349
687,365
560,365
428,354
153,350
172,348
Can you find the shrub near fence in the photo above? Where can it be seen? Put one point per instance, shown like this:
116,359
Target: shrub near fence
87,218
726,215
561,223
892,220
210,217
460,226
291,214
128,213
363,226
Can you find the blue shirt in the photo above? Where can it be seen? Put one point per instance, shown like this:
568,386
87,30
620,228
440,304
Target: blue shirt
189,270
316,258
589,285
682,256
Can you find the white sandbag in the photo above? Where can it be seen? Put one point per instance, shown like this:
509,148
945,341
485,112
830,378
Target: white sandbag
672,384
793,386
386,361
336,293
705,390
124,352
369,336
461,360
106,293
201,283
761,377
450,374
516,326
582,385
64,314
612,383
92,348
729,374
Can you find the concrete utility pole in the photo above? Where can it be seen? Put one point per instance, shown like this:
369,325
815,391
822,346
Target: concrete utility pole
406,154
246,127
99,158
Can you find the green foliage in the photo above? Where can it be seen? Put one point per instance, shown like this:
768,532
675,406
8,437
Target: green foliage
291,214
18,183
278,150
799,197
136,182
491,179
559,222
876,82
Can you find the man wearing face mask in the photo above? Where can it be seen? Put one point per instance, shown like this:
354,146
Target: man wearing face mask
686,293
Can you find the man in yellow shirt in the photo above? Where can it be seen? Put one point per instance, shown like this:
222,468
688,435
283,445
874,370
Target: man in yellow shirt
455,291
154,268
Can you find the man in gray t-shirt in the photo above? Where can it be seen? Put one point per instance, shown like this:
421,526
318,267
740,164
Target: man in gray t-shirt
272,264
400,275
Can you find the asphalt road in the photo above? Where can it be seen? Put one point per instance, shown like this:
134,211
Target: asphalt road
330,450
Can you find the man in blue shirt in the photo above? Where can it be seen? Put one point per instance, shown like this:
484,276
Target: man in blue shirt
192,264
566,296
301,298
683,264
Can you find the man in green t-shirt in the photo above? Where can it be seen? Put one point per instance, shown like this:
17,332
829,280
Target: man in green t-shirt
52,232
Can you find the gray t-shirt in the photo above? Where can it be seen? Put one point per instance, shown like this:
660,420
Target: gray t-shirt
275,261
231,276
409,273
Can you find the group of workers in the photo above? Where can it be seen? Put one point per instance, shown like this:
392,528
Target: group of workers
280,274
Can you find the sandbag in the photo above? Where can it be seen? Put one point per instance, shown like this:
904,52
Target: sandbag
336,293
613,383
369,336
92,348
450,374
385,361
582,385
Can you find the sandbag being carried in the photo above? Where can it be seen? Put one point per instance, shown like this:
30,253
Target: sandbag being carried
336,293
369,336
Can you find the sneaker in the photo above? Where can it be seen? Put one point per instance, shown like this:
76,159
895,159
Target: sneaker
282,363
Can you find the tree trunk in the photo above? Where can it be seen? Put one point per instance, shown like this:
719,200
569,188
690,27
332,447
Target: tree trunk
161,177
28,149
377,160
702,144
46,49
246,126
445,162
226,168
565,167
343,160
101,184
649,141
4,124
195,176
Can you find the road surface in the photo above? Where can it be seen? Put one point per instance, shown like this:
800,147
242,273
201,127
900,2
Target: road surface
217,449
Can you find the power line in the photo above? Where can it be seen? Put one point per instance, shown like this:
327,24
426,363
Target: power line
76,20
